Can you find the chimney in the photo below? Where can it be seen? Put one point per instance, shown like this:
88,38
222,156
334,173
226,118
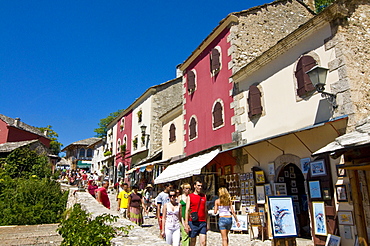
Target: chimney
46,132
17,121
178,71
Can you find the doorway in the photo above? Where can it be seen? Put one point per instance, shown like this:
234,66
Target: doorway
293,177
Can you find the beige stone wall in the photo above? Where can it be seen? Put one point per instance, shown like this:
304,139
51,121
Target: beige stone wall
260,28
351,42
167,97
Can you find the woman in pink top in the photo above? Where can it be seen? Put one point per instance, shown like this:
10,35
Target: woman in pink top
224,206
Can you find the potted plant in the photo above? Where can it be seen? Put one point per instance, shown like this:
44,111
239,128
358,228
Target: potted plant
143,139
106,153
134,142
123,149
139,115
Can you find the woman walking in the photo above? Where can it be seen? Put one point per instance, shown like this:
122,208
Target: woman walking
135,206
185,240
224,206
171,220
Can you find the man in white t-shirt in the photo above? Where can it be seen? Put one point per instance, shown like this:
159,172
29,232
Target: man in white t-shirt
160,200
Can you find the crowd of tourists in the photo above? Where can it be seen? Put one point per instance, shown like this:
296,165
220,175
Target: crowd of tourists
181,213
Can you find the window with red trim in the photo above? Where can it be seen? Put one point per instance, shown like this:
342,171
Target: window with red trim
254,101
304,83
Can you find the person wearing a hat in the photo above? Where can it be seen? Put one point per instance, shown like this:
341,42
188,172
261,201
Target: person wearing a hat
147,195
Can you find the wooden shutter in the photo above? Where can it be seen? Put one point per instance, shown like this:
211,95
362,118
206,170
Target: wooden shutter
215,60
192,128
172,133
304,83
191,81
254,101
217,115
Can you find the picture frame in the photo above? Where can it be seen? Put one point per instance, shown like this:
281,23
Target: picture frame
251,191
345,217
271,168
305,164
247,197
341,191
246,190
227,170
319,218
286,174
251,197
291,169
340,171
253,203
293,183
260,177
280,189
251,175
332,240
243,220
242,185
315,190
251,183
282,217
317,168
281,179
260,194
296,207
268,191
294,190
292,175
295,197
326,194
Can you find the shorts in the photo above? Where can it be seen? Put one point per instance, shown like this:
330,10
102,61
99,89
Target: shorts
197,227
123,212
224,223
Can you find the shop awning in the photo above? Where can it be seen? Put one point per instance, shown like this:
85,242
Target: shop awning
142,167
187,168
81,164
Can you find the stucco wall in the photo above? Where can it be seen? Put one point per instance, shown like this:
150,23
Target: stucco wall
175,148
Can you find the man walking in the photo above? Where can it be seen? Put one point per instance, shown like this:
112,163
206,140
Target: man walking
196,225
123,200
160,200
102,195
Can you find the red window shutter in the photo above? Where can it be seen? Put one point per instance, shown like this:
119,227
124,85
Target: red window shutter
172,133
191,81
217,115
254,101
215,60
192,128
304,83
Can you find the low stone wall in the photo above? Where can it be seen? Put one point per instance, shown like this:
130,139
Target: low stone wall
136,236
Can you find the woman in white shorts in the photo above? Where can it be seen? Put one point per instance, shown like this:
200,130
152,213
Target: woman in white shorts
171,220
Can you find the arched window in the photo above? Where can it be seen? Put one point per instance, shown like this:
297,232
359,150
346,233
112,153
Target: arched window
122,126
192,128
254,101
304,83
217,115
82,153
191,81
119,145
172,133
89,153
215,60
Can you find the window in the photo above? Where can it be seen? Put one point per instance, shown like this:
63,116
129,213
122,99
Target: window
217,115
172,133
191,81
215,60
254,101
122,126
82,153
304,83
89,153
192,128
118,145
139,116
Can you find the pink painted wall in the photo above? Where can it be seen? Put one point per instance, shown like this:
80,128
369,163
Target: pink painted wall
120,135
208,90
16,135
3,132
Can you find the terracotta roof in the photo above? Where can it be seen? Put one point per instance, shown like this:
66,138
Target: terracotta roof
10,146
21,125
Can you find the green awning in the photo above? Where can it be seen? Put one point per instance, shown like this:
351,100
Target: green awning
81,164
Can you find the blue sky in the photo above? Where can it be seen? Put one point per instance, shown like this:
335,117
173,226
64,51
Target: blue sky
70,63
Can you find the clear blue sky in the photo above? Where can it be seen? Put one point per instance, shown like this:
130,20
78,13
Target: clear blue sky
70,63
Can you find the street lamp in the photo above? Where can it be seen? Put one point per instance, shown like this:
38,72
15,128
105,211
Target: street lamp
143,129
317,76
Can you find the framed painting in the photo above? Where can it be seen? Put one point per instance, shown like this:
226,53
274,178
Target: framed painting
281,179
260,177
345,217
286,174
282,217
243,220
271,167
227,170
315,190
332,240
326,194
280,189
319,218
341,193
317,168
260,193
305,165
294,190
340,171
268,191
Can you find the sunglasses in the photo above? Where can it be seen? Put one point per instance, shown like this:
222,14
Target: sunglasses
172,195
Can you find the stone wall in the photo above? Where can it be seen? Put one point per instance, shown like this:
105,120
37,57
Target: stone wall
351,39
260,28
167,97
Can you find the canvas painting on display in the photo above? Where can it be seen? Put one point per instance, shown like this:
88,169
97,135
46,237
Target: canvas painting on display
317,168
319,218
282,217
305,165
345,218
268,190
260,177
280,189
315,190
260,193
332,240
271,167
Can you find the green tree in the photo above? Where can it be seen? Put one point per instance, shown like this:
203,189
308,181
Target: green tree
55,146
320,5
101,131
23,162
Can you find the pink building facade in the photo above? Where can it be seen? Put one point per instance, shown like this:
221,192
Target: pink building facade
207,98
124,142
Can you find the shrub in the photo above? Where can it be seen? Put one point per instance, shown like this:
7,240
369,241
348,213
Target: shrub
77,228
